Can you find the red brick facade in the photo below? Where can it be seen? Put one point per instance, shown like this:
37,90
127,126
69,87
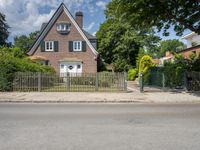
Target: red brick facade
89,58
186,53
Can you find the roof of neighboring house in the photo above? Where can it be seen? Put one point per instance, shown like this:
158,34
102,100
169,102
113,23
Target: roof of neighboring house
43,26
47,26
38,58
189,35
89,36
157,61
188,49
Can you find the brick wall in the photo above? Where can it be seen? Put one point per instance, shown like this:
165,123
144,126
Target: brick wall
88,57
186,53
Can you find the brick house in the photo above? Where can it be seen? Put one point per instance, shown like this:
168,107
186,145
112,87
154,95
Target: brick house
64,45
188,51
193,45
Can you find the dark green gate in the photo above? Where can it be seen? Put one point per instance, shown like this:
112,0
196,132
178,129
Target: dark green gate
157,78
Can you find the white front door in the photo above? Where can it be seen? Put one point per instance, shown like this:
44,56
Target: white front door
72,68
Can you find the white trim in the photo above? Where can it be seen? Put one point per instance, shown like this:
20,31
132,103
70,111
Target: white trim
188,35
64,67
77,49
49,49
52,21
45,31
60,25
80,30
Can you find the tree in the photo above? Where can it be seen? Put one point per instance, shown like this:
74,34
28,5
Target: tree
3,30
181,14
25,42
119,43
170,45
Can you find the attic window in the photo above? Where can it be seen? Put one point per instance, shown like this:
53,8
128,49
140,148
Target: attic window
63,27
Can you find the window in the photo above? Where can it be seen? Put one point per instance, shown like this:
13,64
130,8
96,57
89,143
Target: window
62,66
43,62
63,27
49,46
78,66
77,45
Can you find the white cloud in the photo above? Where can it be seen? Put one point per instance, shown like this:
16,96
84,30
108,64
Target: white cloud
24,16
101,4
90,26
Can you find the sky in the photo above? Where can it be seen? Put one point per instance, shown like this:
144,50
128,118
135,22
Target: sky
26,16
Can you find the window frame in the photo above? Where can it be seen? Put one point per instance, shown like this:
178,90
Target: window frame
77,46
49,49
60,25
43,62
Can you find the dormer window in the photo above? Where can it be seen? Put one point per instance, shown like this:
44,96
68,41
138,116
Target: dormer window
63,27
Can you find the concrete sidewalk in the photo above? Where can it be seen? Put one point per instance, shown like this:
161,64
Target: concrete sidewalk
83,97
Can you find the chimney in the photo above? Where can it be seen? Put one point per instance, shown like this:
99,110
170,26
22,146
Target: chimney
79,19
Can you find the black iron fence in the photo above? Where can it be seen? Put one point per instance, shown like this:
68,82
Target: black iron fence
193,81
158,79
84,82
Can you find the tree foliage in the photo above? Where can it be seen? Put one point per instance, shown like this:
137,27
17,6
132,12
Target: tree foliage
146,63
25,42
119,43
170,45
3,30
132,73
181,14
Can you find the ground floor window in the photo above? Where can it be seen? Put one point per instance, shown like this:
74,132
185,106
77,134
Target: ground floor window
43,62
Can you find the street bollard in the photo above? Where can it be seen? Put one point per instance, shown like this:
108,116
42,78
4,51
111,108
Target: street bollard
141,83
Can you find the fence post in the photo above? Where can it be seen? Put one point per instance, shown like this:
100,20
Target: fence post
39,81
68,82
125,81
141,83
97,82
163,81
185,80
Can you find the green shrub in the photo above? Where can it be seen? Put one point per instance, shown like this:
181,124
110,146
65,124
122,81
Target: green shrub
132,74
173,74
83,80
146,63
106,79
13,60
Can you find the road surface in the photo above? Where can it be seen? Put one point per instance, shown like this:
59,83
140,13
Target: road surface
99,127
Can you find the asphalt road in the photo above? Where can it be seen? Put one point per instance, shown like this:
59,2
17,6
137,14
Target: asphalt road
99,127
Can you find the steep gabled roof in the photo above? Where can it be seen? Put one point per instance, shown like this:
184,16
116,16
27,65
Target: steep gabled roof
46,27
189,49
43,26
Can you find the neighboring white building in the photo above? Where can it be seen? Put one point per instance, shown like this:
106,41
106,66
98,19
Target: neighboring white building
192,39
